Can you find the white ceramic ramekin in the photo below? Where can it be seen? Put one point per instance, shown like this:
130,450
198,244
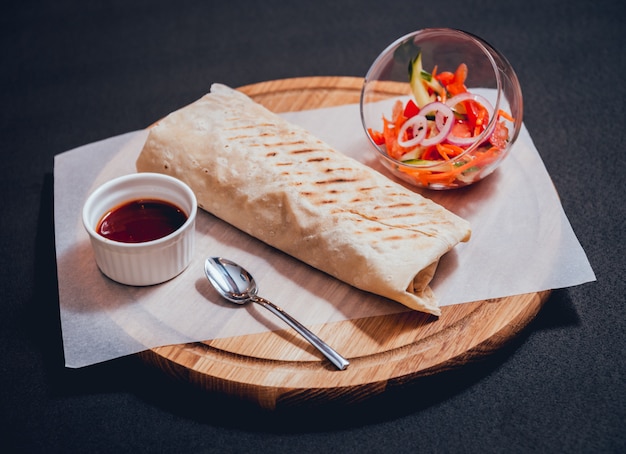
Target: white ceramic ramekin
150,262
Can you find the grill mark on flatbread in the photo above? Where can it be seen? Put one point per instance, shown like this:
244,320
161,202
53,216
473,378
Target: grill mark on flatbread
399,216
240,137
336,180
303,151
394,238
247,126
280,144
396,205
411,228
339,169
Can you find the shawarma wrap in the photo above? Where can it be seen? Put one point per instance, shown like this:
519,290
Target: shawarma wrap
277,182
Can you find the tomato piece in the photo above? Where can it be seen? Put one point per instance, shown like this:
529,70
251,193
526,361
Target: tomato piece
500,136
461,129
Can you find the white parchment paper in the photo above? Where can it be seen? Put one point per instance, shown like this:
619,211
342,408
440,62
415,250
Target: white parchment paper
521,242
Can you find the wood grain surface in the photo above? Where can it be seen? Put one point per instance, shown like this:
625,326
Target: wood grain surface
280,369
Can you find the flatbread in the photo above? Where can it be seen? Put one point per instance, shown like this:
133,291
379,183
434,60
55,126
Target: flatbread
303,197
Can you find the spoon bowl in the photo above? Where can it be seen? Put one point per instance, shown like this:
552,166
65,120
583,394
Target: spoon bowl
231,281
237,285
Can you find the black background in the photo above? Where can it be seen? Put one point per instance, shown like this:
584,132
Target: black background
77,72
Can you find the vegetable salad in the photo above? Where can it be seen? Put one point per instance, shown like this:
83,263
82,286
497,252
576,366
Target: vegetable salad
432,132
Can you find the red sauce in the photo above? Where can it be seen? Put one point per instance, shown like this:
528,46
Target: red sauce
142,220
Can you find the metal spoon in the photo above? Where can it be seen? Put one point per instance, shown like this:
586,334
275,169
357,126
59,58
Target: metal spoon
236,285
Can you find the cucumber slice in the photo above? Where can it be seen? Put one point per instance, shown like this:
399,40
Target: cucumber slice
420,80
412,155
433,166
420,92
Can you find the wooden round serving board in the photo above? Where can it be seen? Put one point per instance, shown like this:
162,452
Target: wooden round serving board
279,369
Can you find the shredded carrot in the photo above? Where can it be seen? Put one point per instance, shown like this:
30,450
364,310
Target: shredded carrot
442,151
447,150
377,136
506,115
481,159
390,131
453,150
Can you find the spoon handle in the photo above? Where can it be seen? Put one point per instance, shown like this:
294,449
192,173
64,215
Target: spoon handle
322,346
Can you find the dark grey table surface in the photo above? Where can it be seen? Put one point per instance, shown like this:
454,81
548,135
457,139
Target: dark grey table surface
77,72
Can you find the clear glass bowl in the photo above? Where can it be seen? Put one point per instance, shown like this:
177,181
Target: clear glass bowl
446,157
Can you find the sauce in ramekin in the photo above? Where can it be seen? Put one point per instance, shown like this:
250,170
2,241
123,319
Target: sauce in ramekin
139,221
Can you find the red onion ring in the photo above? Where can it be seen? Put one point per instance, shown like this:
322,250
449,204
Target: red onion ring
465,141
444,119
419,125
445,128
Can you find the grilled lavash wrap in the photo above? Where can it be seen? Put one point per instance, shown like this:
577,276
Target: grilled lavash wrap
277,182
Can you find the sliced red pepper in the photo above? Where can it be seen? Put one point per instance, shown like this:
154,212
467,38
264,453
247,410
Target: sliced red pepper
481,121
460,74
445,78
476,116
411,109
457,84
456,88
